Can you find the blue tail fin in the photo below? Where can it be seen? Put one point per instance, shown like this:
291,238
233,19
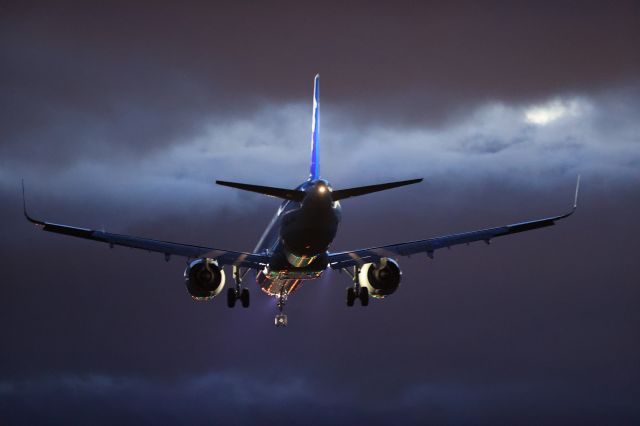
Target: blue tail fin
314,171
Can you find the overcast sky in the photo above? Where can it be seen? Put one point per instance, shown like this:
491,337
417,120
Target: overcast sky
122,116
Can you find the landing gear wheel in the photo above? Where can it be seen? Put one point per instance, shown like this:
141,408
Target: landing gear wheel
351,296
364,296
281,320
232,296
244,297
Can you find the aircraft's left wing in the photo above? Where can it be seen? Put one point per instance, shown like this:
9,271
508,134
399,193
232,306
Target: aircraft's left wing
359,257
224,257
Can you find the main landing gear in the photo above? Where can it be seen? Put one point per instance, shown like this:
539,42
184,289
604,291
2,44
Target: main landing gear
357,291
238,292
281,319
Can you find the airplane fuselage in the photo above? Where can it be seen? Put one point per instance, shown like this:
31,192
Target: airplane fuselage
297,239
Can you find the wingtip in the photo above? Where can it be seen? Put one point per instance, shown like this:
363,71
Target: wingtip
575,199
414,181
24,209
575,202
24,201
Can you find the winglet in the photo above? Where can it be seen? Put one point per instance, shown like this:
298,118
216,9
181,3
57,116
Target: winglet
575,200
24,209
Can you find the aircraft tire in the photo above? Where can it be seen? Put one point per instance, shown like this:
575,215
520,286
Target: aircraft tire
364,296
232,296
245,297
351,296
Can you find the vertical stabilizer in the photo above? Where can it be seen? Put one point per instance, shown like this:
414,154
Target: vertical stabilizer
314,171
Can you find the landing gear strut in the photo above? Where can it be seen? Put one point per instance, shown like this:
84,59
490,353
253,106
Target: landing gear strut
238,292
357,291
281,319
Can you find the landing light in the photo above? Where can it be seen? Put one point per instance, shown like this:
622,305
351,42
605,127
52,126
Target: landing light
322,189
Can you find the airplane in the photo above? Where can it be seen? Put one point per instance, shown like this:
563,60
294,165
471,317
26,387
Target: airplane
294,248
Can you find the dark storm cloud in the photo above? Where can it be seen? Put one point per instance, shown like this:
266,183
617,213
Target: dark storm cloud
197,400
81,79
121,116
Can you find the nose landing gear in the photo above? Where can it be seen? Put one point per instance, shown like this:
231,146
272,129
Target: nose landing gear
281,319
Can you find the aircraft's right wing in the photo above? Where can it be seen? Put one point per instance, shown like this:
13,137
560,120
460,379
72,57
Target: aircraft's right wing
224,257
359,257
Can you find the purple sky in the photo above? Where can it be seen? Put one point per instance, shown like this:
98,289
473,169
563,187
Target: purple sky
121,117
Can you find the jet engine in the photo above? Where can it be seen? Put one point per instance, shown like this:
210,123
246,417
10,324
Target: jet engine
204,279
380,279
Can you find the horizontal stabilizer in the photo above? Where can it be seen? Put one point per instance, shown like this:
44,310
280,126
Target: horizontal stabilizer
362,190
287,194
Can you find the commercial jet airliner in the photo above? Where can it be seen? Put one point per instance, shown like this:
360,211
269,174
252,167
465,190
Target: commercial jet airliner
295,246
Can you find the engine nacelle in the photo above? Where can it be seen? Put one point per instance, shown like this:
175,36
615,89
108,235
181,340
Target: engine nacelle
204,279
380,279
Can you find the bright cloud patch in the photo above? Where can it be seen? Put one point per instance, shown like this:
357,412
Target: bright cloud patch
589,136
551,111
